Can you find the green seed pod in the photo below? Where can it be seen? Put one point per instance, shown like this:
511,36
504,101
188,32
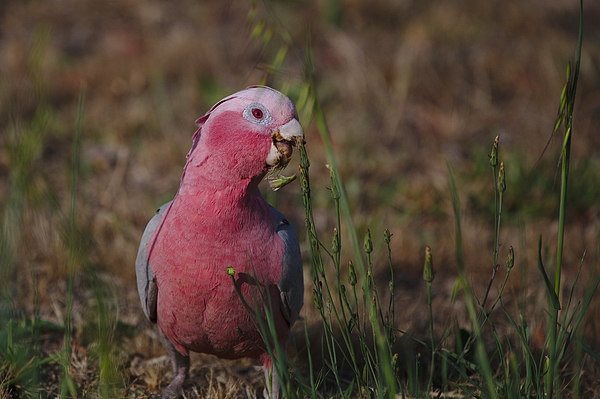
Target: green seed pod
230,271
501,178
510,258
374,306
352,322
335,191
494,154
368,242
387,236
351,274
277,180
304,185
335,242
428,273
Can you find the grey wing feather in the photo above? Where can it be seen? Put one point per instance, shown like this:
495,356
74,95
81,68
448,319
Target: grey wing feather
291,284
146,284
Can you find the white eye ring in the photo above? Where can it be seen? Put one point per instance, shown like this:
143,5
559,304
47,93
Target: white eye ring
258,113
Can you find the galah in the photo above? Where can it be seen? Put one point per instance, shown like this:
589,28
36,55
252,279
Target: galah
219,225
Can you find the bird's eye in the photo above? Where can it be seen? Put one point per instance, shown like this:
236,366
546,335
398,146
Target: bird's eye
257,113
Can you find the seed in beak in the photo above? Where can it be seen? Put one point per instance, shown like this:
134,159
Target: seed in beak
285,148
284,139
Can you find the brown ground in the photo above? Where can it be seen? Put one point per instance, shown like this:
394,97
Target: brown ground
406,86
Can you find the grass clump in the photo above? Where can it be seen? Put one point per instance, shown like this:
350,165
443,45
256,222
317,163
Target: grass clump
21,356
359,333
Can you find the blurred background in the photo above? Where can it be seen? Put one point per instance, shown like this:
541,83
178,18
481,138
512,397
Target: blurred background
407,87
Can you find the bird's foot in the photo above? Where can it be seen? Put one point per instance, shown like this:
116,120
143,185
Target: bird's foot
175,388
181,366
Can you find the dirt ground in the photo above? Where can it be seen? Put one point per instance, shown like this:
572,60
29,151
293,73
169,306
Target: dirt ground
408,87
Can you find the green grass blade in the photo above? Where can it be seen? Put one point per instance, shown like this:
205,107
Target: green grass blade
549,287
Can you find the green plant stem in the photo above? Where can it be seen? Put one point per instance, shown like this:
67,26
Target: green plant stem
430,308
571,89
382,352
320,281
496,215
554,316
391,313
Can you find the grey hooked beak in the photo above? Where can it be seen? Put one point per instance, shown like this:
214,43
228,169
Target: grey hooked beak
284,138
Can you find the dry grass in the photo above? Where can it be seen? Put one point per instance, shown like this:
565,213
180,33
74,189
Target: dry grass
405,86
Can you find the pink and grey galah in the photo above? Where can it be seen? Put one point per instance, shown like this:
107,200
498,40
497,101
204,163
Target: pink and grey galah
218,222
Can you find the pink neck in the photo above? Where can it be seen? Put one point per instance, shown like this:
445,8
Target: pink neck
208,174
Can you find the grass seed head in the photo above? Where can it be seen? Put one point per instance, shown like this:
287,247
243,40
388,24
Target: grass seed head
494,153
501,178
510,258
335,242
368,242
387,236
428,273
351,274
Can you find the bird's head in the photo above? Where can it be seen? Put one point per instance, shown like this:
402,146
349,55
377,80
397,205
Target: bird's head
247,135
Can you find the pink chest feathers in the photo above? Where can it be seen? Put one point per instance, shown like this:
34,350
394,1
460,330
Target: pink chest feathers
199,305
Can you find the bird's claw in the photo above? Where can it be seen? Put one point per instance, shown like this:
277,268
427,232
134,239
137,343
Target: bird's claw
175,388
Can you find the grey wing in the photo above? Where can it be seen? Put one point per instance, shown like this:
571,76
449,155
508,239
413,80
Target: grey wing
146,284
291,284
